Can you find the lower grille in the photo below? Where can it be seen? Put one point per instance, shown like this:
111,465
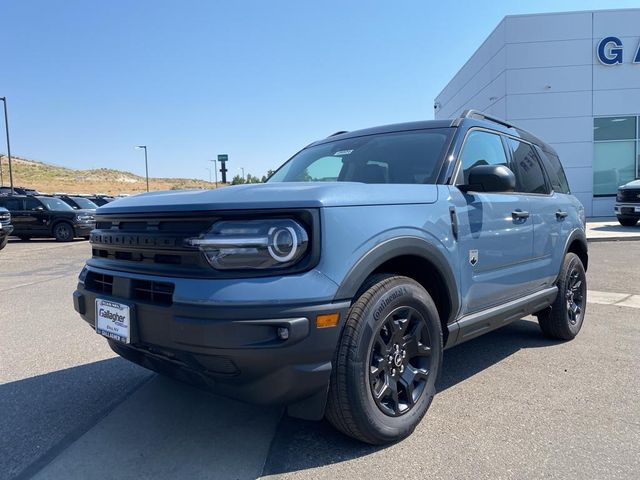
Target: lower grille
155,292
99,283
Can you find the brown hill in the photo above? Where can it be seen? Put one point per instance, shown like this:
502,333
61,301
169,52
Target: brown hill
49,178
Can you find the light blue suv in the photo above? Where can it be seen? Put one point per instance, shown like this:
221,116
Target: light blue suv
335,287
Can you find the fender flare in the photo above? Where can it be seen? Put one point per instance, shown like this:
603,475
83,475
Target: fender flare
581,237
396,247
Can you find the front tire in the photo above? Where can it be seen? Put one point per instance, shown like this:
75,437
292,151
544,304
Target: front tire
565,317
3,242
627,222
63,232
387,362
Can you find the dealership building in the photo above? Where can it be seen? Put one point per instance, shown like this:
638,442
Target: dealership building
573,79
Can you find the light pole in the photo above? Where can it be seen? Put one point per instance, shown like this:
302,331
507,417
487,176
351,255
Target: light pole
146,163
6,126
215,169
243,179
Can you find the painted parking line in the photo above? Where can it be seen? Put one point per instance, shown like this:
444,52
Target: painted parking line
613,298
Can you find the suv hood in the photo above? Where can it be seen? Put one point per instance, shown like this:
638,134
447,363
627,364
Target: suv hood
274,195
633,184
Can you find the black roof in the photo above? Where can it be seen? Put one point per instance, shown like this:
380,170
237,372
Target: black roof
468,118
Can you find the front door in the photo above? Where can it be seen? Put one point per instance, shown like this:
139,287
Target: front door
495,232
36,215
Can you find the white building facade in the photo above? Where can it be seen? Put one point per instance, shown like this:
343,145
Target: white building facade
573,79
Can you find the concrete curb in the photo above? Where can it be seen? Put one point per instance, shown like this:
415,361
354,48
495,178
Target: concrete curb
613,239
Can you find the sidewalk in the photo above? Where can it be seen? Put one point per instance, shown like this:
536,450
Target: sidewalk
607,228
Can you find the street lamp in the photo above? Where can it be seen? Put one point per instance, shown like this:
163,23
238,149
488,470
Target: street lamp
243,179
6,126
215,169
146,163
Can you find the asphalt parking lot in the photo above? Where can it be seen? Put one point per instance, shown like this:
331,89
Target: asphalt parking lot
511,404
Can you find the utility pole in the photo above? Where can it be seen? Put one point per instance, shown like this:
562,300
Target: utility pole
1,178
146,163
6,126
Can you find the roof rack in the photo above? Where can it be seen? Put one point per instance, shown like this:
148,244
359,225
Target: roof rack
338,133
483,116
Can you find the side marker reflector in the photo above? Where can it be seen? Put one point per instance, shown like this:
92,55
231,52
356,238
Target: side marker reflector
327,320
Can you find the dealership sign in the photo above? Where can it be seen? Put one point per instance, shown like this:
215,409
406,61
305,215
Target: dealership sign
609,51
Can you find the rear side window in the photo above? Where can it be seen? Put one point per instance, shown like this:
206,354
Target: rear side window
11,204
527,169
555,171
32,204
481,148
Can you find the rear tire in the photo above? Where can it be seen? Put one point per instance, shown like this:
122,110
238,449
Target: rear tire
63,232
386,363
563,320
627,222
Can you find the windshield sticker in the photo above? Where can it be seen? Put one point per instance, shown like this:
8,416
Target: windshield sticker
342,153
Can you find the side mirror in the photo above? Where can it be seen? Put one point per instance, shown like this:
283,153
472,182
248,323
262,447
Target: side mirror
490,178
40,209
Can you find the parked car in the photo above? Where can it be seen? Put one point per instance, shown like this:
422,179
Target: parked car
100,200
41,216
5,227
627,206
78,203
335,287
18,191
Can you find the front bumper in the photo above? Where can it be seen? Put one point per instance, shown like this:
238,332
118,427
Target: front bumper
234,350
627,210
6,231
83,229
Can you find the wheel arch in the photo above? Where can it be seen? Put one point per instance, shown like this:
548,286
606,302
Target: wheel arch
577,243
413,257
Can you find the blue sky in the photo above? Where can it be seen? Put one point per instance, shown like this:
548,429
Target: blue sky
86,80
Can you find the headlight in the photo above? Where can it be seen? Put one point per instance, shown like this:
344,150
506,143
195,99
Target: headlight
253,244
84,218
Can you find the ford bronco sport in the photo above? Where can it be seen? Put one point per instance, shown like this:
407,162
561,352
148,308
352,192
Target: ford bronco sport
334,287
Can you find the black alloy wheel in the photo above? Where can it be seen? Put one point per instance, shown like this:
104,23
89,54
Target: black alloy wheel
387,361
564,318
399,361
63,232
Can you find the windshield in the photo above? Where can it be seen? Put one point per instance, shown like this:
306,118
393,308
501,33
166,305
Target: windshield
401,157
84,203
54,203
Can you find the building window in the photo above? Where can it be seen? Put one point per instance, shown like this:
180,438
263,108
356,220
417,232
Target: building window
616,153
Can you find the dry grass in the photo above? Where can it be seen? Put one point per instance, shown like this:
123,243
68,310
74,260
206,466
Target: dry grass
48,178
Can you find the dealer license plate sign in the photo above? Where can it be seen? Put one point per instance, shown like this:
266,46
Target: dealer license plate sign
113,320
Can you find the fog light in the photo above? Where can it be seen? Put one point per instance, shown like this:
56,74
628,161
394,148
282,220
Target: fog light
283,333
327,320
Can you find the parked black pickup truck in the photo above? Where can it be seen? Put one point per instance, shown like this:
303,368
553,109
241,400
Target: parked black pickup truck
5,227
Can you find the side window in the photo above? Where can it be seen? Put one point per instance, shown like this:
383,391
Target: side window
32,204
481,148
324,169
12,204
527,169
558,179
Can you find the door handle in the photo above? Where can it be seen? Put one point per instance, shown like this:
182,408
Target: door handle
560,214
520,214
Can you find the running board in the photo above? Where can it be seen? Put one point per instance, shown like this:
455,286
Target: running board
479,323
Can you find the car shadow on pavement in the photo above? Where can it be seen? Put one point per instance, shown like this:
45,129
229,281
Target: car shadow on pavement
300,445
43,414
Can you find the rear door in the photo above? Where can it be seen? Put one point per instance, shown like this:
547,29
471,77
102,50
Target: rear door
495,236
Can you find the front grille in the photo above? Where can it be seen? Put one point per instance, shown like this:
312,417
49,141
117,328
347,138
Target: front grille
629,195
99,283
154,292
150,245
